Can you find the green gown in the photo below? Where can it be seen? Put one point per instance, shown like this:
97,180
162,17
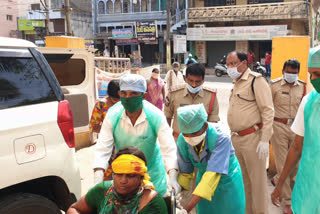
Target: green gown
229,197
305,195
146,142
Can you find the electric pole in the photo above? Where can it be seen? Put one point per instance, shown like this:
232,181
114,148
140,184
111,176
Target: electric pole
47,7
168,36
67,12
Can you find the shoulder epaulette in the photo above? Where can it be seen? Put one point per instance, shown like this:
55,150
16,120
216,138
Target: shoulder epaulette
301,81
256,74
276,80
211,89
178,87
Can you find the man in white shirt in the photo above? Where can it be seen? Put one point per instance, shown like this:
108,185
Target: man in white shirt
306,147
134,122
173,77
106,52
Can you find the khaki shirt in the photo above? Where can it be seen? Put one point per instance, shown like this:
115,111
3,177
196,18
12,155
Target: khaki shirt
286,97
247,109
180,96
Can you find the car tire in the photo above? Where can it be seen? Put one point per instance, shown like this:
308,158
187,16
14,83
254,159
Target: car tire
27,203
218,73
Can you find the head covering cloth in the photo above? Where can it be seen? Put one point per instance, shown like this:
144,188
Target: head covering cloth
314,57
133,82
191,118
131,164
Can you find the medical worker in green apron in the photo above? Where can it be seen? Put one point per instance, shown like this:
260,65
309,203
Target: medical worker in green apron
202,145
136,122
306,148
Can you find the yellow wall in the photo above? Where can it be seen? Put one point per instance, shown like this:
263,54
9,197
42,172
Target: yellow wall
284,48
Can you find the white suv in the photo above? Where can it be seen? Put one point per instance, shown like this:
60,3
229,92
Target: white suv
39,174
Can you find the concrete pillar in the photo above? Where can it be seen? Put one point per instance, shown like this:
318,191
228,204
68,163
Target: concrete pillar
298,28
241,2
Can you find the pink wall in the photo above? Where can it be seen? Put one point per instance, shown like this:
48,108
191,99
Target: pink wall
8,7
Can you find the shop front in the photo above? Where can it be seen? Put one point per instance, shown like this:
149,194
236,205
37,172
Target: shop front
214,42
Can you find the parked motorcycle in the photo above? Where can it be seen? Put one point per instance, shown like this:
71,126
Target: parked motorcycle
260,69
220,69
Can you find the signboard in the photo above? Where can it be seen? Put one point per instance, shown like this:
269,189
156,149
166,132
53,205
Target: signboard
179,44
126,33
29,25
146,29
201,51
147,39
126,41
262,32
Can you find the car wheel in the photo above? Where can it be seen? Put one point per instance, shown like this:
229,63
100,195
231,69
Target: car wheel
218,73
27,203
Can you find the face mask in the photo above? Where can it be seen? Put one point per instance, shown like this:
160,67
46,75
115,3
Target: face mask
233,72
176,69
193,90
290,78
193,141
155,75
316,84
132,104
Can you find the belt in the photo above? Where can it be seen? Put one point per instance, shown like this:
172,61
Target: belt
249,130
284,121
175,134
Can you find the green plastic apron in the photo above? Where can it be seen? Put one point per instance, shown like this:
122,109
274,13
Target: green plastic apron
146,143
306,194
229,197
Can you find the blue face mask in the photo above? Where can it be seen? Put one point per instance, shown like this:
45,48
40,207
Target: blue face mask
193,90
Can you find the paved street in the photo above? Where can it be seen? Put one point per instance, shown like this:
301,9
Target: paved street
85,156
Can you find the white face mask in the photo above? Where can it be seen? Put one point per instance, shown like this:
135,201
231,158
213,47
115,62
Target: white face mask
176,69
193,141
290,78
193,90
155,75
233,72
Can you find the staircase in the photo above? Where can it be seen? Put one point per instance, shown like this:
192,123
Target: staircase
179,22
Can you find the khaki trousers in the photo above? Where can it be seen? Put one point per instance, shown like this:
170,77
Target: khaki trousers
253,172
281,141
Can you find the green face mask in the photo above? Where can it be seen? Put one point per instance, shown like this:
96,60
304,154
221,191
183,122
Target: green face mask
132,104
316,84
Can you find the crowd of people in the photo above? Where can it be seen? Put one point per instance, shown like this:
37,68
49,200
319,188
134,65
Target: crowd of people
159,136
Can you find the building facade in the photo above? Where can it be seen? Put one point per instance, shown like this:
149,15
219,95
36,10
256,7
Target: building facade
8,18
218,27
131,28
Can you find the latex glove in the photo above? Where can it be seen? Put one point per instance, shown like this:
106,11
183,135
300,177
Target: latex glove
173,180
98,176
181,211
178,200
263,149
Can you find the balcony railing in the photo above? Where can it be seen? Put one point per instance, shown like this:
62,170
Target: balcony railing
180,16
127,17
250,12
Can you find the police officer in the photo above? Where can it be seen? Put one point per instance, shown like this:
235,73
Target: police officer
193,92
287,92
250,118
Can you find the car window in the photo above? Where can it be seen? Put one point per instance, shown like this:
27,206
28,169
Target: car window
69,72
21,80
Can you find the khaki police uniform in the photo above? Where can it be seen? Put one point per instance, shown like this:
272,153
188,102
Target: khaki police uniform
250,118
286,100
180,96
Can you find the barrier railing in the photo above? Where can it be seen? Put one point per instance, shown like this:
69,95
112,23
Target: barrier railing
113,65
